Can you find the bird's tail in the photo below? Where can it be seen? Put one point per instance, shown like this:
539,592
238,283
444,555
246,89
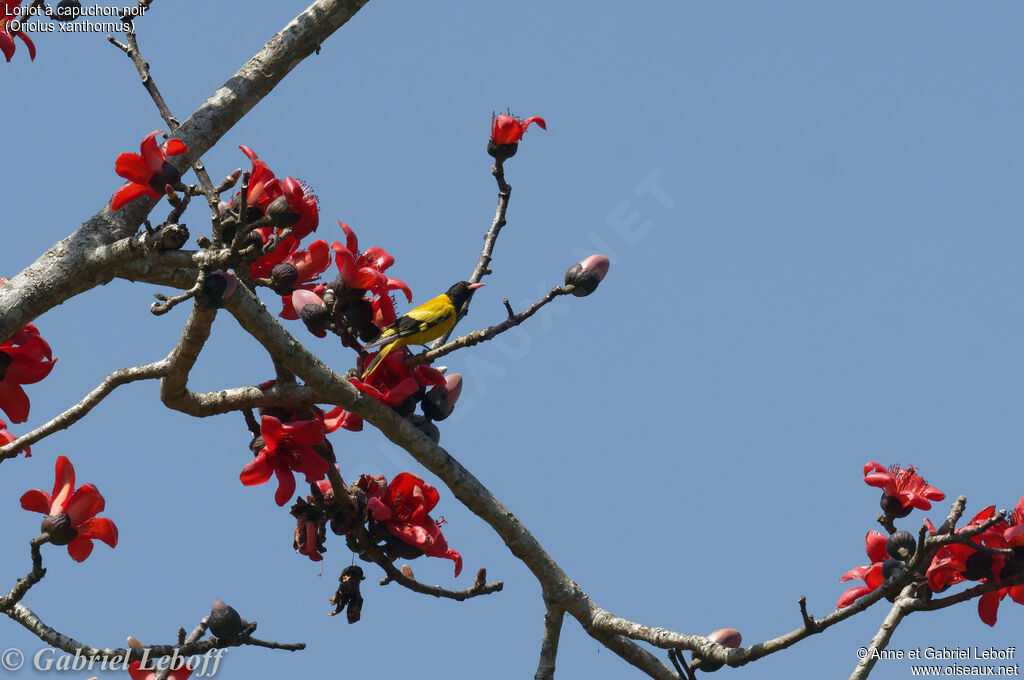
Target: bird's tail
381,355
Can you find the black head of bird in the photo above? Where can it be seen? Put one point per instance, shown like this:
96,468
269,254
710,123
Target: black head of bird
461,292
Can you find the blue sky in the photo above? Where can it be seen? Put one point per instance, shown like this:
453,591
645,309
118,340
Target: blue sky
828,274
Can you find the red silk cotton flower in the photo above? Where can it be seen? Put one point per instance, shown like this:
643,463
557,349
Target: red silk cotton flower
404,506
289,202
902,489
507,129
71,515
24,359
287,448
871,574
149,171
7,45
365,271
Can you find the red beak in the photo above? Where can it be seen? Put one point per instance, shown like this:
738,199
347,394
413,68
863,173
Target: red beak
474,286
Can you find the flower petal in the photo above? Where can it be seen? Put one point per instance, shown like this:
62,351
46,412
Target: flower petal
174,147
257,471
351,242
6,45
285,485
63,485
80,548
13,401
102,528
128,193
150,152
85,504
133,168
36,500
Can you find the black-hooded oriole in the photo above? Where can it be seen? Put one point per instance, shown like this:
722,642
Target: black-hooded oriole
429,321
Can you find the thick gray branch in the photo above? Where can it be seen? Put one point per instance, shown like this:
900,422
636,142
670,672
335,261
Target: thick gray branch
70,267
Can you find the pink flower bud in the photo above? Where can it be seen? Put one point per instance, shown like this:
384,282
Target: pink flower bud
585,276
440,401
727,637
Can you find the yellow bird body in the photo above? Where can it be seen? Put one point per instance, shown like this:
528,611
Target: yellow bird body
430,321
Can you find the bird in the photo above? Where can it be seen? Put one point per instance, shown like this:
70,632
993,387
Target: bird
431,320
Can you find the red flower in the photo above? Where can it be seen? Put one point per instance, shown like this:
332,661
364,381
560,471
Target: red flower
950,564
71,515
24,359
7,437
136,672
1004,535
149,171
902,489
365,271
7,14
265,188
871,574
287,448
507,129
393,381
1014,533
405,506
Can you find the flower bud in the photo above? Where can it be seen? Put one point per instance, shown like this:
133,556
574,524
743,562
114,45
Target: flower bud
407,572
312,310
218,286
585,276
727,637
280,212
224,621
481,578
893,568
440,401
901,545
283,277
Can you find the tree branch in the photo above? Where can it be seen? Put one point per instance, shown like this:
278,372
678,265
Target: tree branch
549,644
395,575
79,410
903,605
67,268
31,622
477,337
35,576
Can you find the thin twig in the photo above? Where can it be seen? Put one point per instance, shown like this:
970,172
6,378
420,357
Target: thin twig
809,622
490,239
479,336
33,577
31,622
549,644
79,410
394,575
132,50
